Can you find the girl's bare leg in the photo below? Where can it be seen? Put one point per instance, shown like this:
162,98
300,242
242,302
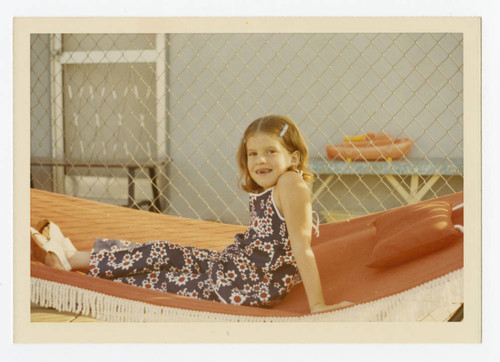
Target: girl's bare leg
80,260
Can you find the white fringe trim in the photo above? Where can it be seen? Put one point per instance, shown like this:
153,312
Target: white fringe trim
408,306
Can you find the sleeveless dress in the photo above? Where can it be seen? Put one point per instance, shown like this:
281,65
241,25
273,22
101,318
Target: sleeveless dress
258,269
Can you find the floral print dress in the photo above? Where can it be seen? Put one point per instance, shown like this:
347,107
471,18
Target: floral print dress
258,269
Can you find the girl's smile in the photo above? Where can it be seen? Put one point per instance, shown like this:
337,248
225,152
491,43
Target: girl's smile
268,159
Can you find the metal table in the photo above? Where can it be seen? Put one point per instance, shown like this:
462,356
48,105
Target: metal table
433,167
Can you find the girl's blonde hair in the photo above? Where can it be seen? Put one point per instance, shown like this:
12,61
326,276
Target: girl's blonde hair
292,140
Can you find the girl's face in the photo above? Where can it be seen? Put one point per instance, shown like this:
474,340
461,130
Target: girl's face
267,159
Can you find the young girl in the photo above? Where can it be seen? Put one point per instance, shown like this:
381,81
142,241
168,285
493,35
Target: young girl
258,269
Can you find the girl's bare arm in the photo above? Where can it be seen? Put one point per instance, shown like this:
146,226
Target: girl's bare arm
295,200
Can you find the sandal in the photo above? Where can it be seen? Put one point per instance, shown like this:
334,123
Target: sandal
51,231
48,251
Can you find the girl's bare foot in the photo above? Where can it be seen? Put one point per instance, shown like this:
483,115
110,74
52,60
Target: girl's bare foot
80,260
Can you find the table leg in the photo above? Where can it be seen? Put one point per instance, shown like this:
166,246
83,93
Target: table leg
153,175
397,186
131,186
414,185
416,193
425,188
59,182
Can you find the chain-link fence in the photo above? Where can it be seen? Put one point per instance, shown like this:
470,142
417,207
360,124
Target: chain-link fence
154,120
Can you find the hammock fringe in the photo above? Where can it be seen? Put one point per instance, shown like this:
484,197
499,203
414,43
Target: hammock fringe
409,306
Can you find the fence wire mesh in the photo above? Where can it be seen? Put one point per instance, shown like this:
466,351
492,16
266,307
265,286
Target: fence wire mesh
153,121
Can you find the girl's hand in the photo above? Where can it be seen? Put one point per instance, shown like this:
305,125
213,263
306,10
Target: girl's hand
325,308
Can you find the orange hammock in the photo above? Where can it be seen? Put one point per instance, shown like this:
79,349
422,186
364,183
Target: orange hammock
360,260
